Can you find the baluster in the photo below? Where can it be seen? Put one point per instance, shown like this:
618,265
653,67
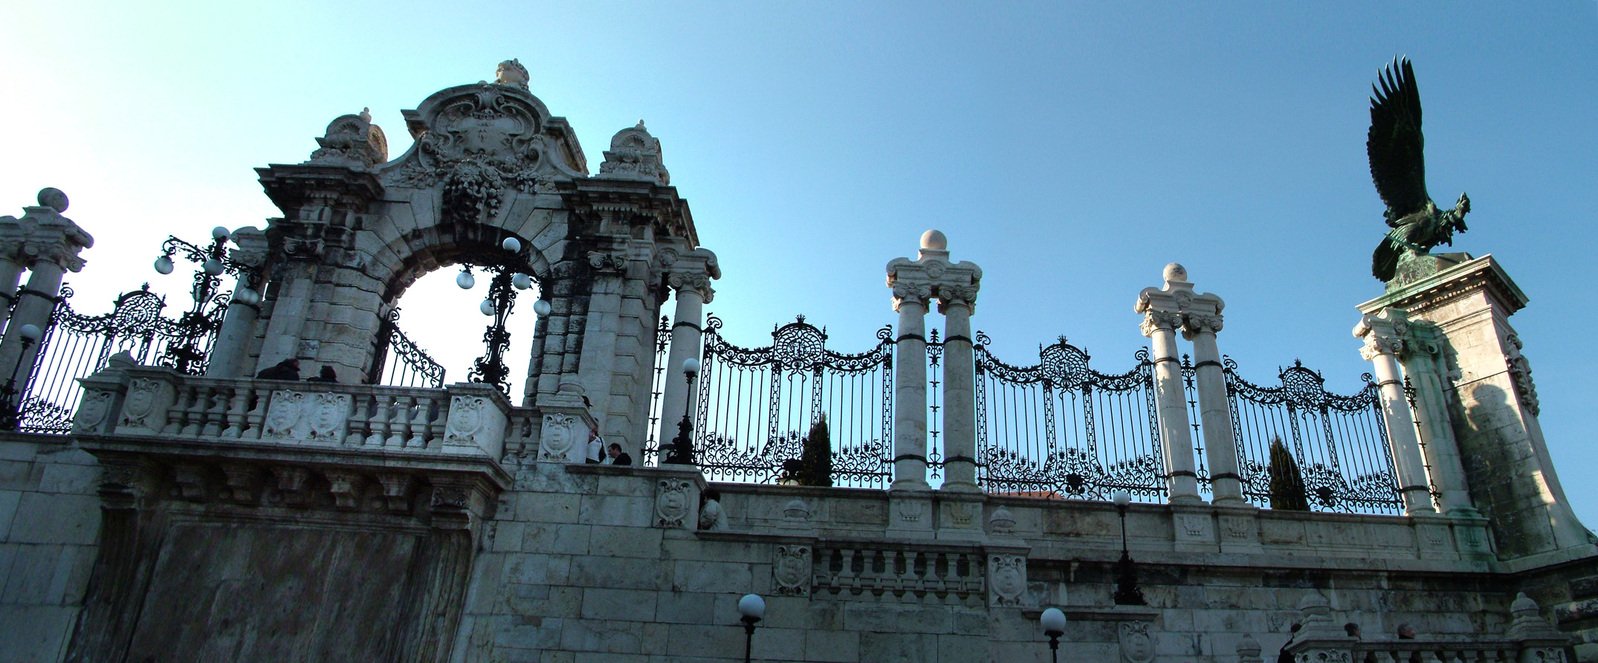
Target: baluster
377,423
177,414
360,411
418,423
399,421
238,406
216,414
253,420
439,413
194,411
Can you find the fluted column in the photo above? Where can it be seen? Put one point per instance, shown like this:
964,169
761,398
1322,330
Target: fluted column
1161,318
1201,321
690,278
1428,374
911,290
52,246
1382,333
956,289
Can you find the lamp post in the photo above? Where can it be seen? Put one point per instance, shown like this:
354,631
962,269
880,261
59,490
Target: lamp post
752,609
10,401
1053,623
1126,589
682,446
186,354
510,275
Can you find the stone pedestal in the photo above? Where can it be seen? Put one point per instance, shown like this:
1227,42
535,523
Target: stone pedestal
1494,404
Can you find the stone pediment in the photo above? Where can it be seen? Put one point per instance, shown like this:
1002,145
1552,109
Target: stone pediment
486,135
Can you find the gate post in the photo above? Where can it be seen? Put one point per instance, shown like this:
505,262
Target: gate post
956,289
1382,333
51,244
1161,317
238,323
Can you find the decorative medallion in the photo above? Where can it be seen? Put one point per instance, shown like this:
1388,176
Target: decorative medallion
671,502
791,570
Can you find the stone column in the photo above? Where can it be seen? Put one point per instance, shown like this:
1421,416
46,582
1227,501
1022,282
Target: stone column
1201,321
1427,370
1494,405
238,324
52,247
911,289
1383,343
956,287
690,277
1161,317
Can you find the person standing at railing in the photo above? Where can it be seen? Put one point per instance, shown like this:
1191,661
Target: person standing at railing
288,369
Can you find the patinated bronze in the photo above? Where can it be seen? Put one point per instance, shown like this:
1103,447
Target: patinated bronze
1398,167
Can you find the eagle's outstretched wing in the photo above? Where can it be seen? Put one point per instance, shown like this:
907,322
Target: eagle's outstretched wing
1398,166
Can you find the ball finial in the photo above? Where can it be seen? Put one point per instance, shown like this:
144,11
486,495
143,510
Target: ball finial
53,198
1176,273
934,240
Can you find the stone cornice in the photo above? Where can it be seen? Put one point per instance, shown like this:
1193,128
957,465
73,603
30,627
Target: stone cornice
1482,274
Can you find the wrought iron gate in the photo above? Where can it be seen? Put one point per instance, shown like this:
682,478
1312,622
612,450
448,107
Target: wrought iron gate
755,405
1061,429
414,367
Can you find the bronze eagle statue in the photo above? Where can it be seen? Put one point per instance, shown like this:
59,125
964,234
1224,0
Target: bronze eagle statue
1398,167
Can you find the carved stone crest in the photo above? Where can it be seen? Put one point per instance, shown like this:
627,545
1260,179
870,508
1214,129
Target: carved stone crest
1137,646
558,439
1008,576
791,570
140,405
671,502
91,414
465,419
329,414
282,414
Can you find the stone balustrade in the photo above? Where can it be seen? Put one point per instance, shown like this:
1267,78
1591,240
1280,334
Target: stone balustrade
463,419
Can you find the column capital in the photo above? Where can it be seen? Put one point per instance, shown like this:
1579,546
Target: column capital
46,236
1154,321
1194,324
933,275
1384,332
909,281
691,270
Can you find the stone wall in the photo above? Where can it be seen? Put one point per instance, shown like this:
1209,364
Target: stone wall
49,524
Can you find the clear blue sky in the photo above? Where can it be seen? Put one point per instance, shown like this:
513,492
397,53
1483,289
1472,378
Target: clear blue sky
1070,149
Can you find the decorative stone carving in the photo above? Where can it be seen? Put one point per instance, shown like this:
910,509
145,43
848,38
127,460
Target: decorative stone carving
1520,375
283,414
141,409
607,262
329,415
512,73
634,154
671,502
796,512
1158,320
1137,646
92,412
345,487
353,141
292,485
909,511
790,570
396,491
711,517
1007,575
558,439
1001,521
466,419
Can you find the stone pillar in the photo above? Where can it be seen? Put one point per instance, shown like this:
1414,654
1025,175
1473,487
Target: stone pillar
956,287
1494,403
690,277
52,246
911,289
1427,371
231,347
1201,321
1161,317
11,264
1382,333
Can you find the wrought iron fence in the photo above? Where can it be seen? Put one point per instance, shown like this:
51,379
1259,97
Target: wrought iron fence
657,387
406,364
756,405
75,345
1338,443
1061,429
934,406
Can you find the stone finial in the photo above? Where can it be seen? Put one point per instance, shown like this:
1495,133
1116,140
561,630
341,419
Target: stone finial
935,240
511,72
53,198
1001,521
1526,622
352,141
1315,613
635,154
1174,273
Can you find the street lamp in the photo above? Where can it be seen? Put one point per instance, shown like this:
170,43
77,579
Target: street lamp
186,354
1126,589
509,275
10,402
682,446
1053,623
753,609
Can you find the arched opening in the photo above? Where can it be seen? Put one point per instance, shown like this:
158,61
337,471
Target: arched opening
462,315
